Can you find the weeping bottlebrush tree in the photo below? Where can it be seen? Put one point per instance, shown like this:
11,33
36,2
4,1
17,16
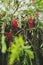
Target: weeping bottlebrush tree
21,32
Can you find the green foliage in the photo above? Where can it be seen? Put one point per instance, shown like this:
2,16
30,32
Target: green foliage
30,54
17,48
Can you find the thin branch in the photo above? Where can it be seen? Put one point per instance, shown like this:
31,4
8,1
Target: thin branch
19,31
18,6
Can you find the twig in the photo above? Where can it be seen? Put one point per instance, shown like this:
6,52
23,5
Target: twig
19,31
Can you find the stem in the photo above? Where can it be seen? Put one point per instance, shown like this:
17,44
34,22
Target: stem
3,42
36,57
30,62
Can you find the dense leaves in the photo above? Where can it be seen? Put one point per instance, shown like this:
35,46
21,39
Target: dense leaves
17,48
21,31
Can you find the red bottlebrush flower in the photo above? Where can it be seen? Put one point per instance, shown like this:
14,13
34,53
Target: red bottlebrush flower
31,22
14,24
30,25
9,35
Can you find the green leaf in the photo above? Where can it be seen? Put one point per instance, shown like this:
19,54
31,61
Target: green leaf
4,48
30,54
19,40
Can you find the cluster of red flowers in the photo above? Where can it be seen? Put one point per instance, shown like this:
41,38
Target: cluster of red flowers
14,25
31,24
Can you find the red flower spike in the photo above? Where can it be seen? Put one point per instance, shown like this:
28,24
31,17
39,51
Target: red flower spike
31,25
9,35
31,22
14,24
